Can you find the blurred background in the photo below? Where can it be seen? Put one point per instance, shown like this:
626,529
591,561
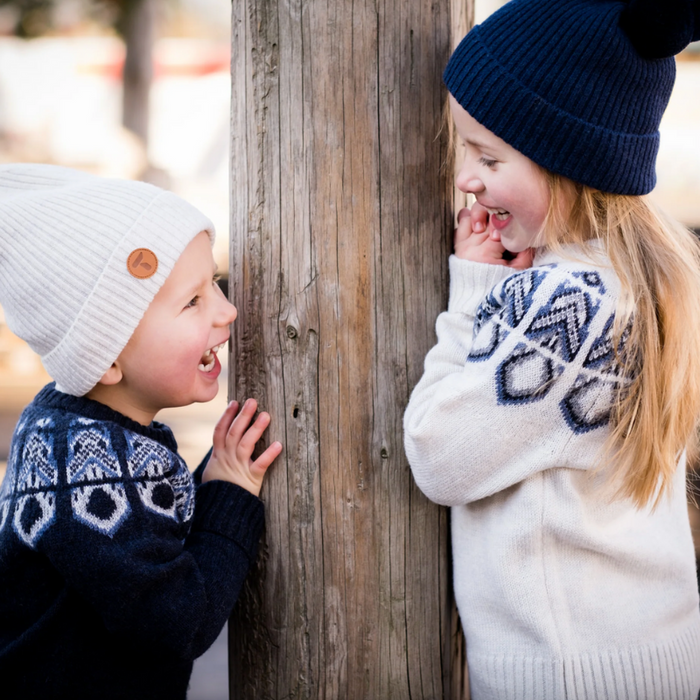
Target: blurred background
141,89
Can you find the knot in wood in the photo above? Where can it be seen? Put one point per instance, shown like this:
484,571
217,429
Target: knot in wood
292,332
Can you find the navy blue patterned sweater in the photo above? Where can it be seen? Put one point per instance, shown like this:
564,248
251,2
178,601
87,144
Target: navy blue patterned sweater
116,571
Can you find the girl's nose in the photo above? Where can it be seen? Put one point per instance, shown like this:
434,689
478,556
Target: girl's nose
467,182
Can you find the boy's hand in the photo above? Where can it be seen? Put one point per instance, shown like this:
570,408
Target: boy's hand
474,242
234,442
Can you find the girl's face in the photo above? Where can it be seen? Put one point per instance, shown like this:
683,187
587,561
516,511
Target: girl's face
504,181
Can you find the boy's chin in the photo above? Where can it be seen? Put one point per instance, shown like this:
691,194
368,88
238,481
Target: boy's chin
203,400
207,396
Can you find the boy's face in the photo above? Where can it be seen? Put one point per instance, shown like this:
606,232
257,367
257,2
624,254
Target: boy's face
170,359
504,181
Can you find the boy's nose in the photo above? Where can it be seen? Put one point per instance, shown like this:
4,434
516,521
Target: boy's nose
227,313
232,312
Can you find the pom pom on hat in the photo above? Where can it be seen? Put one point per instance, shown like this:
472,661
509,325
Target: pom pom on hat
661,28
562,82
81,258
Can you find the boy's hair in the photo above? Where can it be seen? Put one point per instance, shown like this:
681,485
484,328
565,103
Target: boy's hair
658,263
81,258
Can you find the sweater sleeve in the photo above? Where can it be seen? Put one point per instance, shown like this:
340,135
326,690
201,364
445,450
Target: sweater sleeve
199,471
521,384
159,561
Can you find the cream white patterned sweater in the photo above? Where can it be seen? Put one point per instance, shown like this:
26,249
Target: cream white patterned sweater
561,593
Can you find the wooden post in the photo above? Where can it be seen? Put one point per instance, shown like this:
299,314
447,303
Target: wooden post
341,226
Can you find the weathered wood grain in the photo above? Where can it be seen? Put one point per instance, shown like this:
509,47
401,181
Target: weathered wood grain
341,221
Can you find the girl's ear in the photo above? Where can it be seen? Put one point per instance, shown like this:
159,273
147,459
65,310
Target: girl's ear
112,376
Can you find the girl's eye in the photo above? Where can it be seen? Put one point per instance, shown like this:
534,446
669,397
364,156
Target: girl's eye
192,302
216,279
487,162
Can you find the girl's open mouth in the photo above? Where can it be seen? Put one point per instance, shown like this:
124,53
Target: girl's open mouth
499,218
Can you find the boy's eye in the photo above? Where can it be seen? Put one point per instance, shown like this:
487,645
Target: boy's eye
194,301
488,162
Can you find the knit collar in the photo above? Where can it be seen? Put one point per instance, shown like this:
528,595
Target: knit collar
50,397
592,252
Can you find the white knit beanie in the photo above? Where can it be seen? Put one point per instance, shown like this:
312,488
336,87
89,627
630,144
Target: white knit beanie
69,284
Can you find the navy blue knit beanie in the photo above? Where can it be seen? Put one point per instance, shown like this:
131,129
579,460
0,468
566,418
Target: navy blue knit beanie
578,86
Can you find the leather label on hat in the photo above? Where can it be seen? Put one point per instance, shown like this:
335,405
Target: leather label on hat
142,263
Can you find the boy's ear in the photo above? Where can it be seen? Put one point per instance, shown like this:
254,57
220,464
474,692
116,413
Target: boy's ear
112,376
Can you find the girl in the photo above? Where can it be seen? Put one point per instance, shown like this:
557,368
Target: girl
555,409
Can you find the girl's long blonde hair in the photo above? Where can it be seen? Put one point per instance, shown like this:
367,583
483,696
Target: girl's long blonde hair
657,260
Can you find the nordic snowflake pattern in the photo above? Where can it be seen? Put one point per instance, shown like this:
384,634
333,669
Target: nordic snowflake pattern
96,477
550,330
162,478
98,495
503,308
33,480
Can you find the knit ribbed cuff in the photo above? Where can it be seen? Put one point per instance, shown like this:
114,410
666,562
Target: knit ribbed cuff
471,281
658,669
229,510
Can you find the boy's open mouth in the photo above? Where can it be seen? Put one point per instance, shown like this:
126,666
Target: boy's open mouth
209,358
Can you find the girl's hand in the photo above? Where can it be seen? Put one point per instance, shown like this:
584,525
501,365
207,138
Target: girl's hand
234,442
473,242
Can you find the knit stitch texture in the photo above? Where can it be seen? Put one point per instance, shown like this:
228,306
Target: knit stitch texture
116,572
561,592
560,81
76,232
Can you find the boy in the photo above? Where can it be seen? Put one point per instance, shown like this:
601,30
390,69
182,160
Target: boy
116,571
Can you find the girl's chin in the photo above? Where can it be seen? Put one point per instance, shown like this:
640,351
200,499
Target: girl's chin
516,246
